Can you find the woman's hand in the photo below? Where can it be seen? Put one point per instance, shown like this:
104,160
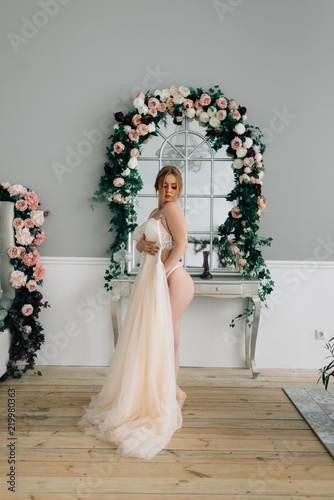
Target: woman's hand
147,246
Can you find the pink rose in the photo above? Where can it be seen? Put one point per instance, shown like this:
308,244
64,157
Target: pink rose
17,279
249,161
236,143
23,236
136,120
236,212
134,153
118,182
153,112
28,329
199,112
118,198
162,107
258,157
141,95
205,100
21,205
242,262
38,272
18,223
17,189
29,223
142,129
232,105
14,252
133,135
22,251
198,105
247,170
169,102
5,185
236,115
221,102
221,115
153,102
262,203
30,259
171,111
244,178
173,90
258,164
37,216
27,310
31,285
118,147
32,200
40,237
188,104
234,249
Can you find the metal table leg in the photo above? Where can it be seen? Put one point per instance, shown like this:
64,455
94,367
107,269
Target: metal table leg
251,336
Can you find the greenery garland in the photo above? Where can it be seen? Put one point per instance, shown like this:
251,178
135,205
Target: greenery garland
224,122
28,274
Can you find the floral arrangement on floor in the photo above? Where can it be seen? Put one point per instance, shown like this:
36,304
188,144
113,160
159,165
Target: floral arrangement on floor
224,123
28,274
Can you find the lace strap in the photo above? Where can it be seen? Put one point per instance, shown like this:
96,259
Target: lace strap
161,214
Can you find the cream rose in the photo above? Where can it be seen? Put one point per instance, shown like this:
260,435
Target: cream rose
237,164
249,161
143,110
258,157
247,170
239,128
125,172
178,98
37,216
151,127
184,91
212,111
23,236
17,189
244,178
204,117
165,94
190,113
132,163
214,122
248,142
138,102
241,152
173,90
5,185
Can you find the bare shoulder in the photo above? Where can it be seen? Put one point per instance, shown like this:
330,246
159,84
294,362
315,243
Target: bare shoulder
173,209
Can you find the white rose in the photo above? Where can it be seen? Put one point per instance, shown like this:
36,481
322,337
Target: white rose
151,127
138,102
125,172
178,98
237,164
127,128
241,152
212,111
184,91
239,128
256,148
204,117
244,178
165,94
248,142
116,126
157,93
190,113
214,122
143,110
133,162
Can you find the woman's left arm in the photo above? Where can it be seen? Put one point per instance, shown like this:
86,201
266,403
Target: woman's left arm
178,227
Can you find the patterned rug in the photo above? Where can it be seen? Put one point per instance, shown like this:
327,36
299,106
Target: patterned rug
317,407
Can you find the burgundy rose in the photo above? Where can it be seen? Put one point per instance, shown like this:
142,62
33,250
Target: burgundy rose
225,231
178,112
46,213
119,117
257,189
127,120
107,169
248,132
129,144
250,152
146,120
242,110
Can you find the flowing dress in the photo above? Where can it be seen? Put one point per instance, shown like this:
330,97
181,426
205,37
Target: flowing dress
137,409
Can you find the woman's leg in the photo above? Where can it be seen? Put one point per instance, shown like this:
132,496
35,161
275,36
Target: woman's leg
181,291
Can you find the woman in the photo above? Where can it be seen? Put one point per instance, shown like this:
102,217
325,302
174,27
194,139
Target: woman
139,405
175,242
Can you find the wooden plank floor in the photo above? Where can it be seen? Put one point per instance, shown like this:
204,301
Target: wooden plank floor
241,439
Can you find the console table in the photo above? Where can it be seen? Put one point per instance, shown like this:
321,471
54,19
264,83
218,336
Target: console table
223,287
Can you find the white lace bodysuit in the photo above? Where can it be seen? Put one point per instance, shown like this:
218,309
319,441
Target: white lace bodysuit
167,242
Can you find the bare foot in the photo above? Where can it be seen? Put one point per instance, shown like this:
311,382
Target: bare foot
180,396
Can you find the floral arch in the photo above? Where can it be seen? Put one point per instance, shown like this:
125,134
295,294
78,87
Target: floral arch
225,125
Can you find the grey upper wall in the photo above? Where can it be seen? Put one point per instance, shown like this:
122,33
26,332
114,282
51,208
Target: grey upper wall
86,59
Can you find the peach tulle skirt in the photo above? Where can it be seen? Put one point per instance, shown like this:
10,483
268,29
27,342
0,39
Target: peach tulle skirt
137,409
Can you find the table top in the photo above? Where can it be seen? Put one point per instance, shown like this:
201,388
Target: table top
216,279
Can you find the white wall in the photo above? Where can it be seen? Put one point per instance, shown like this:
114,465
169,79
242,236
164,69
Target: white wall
78,326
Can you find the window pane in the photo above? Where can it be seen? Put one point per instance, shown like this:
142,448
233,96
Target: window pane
148,171
199,177
175,146
198,214
221,207
221,153
197,243
144,207
223,178
152,148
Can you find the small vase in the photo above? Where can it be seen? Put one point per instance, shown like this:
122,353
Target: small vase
206,275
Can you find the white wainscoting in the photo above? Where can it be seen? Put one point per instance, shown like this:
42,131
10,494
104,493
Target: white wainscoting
78,327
